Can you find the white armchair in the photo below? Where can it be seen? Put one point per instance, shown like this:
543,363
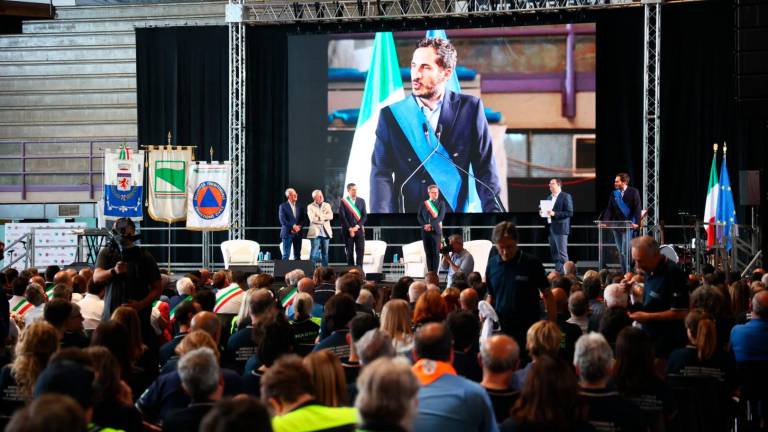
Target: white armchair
480,249
373,258
414,259
240,252
306,248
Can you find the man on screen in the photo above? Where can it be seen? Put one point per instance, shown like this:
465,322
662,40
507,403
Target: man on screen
434,136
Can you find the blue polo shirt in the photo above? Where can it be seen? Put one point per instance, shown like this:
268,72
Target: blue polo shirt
666,289
454,404
750,341
515,285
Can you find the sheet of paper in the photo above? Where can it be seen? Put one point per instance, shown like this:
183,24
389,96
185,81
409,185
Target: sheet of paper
544,207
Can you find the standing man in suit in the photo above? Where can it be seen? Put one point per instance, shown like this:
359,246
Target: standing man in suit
624,204
430,215
422,140
320,215
291,218
559,222
353,216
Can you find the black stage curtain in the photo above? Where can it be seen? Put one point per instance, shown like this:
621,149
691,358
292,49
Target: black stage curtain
182,79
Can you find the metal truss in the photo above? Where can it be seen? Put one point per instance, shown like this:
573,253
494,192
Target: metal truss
369,10
237,117
651,112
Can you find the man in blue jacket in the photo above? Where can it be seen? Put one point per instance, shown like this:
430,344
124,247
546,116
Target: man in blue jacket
292,219
559,222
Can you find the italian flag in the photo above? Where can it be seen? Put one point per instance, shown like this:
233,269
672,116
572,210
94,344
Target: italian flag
289,297
383,86
710,208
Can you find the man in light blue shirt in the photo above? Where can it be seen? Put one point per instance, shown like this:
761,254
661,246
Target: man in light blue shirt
447,402
458,259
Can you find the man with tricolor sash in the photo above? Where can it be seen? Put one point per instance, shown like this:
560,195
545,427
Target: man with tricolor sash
430,215
434,136
353,216
229,299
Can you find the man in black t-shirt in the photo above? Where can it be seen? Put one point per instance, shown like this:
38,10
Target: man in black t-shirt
515,279
131,277
665,299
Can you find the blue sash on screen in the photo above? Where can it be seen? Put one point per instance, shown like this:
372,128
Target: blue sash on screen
410,119
620,202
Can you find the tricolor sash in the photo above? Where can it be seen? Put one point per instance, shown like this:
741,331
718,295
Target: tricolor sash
226,296
431,208
21,307
620,203
288,298
173,311
349,203
429,371
410,119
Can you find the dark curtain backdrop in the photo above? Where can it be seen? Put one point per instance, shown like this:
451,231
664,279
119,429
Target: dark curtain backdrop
182,84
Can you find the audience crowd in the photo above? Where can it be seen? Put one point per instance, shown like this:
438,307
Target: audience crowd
651,350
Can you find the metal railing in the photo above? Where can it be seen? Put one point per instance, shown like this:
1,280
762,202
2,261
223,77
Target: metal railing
24,151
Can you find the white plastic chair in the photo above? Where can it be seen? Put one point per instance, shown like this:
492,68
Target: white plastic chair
414,259
480,249
306,248
240,252
373,258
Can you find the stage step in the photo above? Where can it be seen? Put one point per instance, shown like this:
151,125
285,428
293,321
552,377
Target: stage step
61,54
78,131
22,70
13,85
77,98
67,114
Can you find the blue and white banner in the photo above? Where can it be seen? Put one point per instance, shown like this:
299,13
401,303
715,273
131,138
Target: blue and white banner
123,183
208,196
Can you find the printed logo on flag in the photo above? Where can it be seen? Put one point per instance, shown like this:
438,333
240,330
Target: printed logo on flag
170,178
209,200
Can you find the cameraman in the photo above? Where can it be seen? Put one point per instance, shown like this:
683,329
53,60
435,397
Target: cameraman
456,258
131,277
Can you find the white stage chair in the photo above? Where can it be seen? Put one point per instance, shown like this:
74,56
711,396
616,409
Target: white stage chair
306,248
373,258
240,252
480,249
414,259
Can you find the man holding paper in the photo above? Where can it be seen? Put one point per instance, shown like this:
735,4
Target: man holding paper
557,210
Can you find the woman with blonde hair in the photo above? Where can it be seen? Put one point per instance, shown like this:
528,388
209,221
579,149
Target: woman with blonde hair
327,378
396,322
36,345
243,317
543,338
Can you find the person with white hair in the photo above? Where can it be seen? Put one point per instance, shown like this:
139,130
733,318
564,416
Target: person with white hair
185,288
320,215
607,410
366,298
386,398
292,218
415,290
616,315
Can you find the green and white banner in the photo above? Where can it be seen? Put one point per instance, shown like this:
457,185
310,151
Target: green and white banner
167,191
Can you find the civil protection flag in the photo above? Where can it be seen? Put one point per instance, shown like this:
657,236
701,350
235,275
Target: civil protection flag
208,194
726,211
473,204
383,86
167,192
123,183
710,208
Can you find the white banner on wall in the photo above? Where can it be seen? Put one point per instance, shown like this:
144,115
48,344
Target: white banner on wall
54,243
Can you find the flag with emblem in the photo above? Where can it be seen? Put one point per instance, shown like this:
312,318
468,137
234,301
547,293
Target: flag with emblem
726,210
383,86
208,195
123,188
167,192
